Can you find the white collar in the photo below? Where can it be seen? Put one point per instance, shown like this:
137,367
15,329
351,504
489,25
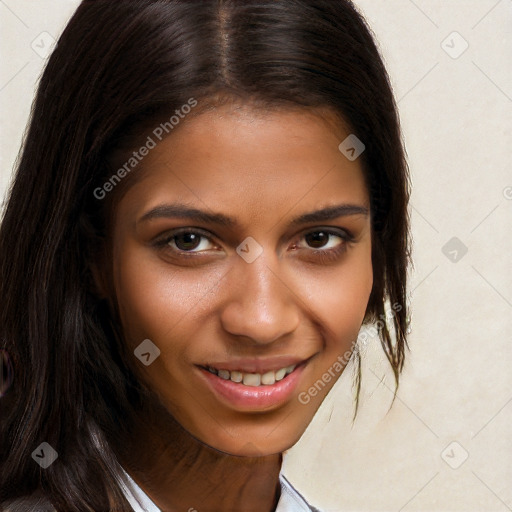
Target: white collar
290,500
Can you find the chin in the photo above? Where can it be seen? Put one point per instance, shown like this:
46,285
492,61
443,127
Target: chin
256,439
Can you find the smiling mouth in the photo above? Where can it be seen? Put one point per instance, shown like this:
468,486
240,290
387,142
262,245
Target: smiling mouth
253,379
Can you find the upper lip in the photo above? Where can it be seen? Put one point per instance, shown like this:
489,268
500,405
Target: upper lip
256,365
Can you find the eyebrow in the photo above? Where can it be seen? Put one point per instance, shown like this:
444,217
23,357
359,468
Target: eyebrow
183,211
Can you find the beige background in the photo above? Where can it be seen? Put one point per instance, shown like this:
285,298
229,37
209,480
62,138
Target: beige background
455,399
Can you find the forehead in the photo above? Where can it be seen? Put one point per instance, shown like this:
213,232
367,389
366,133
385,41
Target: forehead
237,157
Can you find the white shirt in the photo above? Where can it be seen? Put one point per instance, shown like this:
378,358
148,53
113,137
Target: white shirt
290,500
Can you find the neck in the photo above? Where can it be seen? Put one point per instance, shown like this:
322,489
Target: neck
180,473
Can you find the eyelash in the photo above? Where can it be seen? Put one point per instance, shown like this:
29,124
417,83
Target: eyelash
323,255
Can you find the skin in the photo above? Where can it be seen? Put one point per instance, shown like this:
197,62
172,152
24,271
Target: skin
262,169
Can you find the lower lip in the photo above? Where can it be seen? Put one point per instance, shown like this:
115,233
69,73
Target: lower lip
253,397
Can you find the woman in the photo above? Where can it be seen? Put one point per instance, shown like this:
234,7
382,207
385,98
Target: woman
210,202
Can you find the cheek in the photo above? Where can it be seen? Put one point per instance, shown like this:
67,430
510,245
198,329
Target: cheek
141,293
340,298
154,302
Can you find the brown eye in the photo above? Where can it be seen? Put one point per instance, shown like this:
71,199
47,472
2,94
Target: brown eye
326,239
324,245
317,239
187,241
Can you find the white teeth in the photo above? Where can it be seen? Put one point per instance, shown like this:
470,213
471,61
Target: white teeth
280,374
268,378
289,369
224,374
253,379
237,376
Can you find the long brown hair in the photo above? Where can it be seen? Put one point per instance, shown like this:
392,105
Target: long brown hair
116,66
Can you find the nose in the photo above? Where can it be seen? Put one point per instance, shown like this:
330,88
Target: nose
260,304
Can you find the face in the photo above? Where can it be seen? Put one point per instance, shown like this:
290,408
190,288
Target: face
243,253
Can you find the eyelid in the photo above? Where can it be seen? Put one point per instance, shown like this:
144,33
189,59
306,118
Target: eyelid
331,254
332,230
343,233
164,240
